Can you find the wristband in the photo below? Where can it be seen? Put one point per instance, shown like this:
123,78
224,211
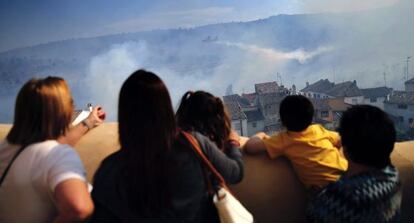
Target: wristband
84,123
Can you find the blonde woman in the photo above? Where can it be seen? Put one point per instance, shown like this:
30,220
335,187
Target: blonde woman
42,177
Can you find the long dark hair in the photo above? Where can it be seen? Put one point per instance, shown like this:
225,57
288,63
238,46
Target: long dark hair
146,132
203,112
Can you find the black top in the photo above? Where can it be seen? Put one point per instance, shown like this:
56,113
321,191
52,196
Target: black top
190,199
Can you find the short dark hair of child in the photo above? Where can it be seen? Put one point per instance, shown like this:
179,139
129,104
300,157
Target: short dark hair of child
368,135
296,112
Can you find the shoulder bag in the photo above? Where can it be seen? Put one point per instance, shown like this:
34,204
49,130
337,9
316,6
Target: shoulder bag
229,209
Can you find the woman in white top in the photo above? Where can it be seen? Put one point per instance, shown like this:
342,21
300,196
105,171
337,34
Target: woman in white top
46,181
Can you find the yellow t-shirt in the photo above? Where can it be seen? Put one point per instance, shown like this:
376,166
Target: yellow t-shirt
314,154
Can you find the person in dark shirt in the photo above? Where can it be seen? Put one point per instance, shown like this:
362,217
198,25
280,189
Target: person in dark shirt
370,190
156,176
205,117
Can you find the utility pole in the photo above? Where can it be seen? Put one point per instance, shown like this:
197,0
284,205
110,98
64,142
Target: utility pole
408,63
385,74
279,78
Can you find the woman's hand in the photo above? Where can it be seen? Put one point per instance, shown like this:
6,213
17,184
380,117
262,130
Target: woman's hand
95,118
74,134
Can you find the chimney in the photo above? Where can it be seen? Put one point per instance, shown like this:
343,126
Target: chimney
307,84
355,83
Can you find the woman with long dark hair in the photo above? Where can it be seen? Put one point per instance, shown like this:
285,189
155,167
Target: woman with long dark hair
206,118
202,112
156,175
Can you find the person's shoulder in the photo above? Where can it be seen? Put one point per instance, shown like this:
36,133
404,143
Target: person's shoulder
109,167
317,127
202,139
112,159
49,149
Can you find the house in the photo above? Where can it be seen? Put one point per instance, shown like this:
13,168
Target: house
238,117
349,91
401,105
318,89
251,97
243,102
255,121
267,87
376,96
409,85
328,111
323,88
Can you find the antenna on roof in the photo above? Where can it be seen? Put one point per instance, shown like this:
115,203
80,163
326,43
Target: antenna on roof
279,78
385,74
408,65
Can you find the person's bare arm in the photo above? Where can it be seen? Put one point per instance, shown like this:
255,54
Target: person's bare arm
255,144
73,201
74,134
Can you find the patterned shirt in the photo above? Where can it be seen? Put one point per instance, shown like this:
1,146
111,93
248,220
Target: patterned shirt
367,197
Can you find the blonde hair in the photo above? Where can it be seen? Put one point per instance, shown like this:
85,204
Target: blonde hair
43,111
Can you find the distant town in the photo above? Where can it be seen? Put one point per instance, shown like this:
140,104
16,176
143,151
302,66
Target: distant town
259,111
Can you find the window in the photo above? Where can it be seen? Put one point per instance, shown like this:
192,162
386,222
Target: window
402,106
324,114
372,100
254,124
410,121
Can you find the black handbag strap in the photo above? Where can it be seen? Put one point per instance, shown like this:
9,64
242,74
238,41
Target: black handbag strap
10,164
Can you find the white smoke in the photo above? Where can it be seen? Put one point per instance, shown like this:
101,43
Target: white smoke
370,46
251,65
276,56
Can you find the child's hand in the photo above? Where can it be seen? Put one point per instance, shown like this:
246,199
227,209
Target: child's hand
234,136
261,135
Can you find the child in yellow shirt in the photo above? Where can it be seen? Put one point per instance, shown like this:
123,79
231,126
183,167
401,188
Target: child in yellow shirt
312,150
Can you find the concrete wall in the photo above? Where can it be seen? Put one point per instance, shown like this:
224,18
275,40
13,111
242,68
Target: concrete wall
270,188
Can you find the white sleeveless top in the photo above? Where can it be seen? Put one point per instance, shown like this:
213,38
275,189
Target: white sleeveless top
27,192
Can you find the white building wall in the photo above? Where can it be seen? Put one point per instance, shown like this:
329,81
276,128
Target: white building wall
379,102
251,130
354,100
240,126
316,95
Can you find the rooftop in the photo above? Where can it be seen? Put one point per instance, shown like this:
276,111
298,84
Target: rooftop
401,97
377,92
235,110
251,97
243,102
321,86
254,115
345,89
411,81
268,87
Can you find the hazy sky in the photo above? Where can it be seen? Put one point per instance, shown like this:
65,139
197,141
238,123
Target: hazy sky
25,23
